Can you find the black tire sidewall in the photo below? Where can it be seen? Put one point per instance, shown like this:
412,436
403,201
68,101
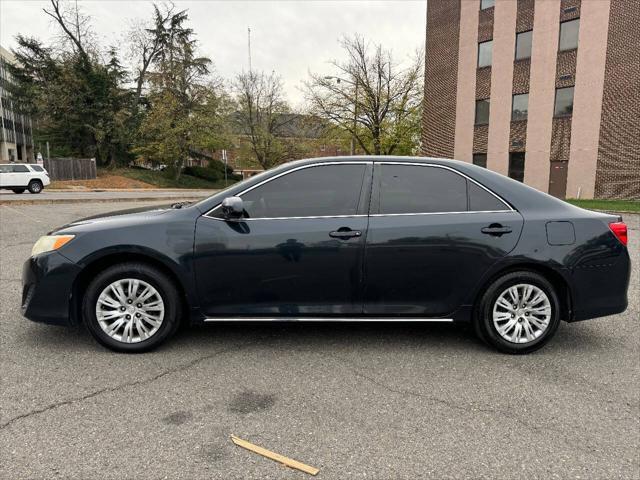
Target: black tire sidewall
18,190
484,317
149,274
32,183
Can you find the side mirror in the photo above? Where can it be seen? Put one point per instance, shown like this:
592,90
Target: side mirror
232,208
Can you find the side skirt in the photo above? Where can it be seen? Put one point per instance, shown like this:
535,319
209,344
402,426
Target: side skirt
327,319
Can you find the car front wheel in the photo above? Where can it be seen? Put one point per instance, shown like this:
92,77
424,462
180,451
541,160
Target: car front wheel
35,186
518,313
131,307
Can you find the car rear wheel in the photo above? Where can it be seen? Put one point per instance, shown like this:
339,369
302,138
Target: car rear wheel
18,190
35,186
518,313
131,307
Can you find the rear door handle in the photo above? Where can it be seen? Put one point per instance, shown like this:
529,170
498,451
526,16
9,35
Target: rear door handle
496,229
345,233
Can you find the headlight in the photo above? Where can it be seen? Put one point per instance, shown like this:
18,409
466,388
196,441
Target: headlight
49,243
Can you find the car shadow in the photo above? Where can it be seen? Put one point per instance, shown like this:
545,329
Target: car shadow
442,337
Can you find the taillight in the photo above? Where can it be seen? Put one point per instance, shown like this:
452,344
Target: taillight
619,229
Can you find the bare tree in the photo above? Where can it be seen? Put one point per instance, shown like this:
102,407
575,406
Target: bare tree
371,97
146,43
262,111
75,25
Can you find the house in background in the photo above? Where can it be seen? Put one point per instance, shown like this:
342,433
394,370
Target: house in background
545,91
303,136
16,139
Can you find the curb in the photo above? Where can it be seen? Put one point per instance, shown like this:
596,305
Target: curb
99,200
130,190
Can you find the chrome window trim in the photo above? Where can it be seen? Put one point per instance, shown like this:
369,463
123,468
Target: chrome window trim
290,218
360,216
302,167
437,213
326,319
416,164
363,162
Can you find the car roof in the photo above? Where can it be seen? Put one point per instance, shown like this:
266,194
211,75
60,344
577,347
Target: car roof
377,159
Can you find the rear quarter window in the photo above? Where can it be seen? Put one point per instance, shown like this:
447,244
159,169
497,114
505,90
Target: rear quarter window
37,168
480,200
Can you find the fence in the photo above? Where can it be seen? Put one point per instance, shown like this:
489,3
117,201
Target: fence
71,168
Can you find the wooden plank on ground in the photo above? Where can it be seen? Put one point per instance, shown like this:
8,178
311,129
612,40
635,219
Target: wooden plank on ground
275,456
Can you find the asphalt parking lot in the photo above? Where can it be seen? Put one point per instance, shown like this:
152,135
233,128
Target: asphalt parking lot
356,401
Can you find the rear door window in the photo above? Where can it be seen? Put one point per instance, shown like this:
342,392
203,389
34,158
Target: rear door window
20,169
420,189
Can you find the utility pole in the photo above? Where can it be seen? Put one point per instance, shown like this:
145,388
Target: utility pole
249,46
355,120
226,165
355,108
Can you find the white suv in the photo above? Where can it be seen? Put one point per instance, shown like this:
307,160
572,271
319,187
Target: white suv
22,176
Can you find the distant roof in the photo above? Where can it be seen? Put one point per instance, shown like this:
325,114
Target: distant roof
294,125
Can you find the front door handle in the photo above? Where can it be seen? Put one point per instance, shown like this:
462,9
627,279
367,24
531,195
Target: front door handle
345,233
496,229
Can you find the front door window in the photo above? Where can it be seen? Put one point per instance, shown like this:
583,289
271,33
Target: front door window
322,191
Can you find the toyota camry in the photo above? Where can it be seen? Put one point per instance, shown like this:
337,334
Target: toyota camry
337,239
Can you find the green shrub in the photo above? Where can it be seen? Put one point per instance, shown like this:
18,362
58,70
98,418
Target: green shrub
213,172
204,173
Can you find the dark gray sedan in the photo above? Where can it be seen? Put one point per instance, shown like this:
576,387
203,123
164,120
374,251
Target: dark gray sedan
338,239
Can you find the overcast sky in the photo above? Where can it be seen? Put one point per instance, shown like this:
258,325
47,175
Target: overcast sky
290,37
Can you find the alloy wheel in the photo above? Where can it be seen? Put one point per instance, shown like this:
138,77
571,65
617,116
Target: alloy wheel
522,313
130,310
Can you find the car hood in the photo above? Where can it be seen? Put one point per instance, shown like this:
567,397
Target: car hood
121,217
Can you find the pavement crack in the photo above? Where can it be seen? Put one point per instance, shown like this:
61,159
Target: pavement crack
146,381
468,408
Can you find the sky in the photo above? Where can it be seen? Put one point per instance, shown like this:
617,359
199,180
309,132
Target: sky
290,37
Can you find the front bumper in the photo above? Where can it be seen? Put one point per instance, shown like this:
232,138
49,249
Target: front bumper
47,287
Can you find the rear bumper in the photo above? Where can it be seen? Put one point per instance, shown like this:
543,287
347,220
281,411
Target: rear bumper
47,286
601,290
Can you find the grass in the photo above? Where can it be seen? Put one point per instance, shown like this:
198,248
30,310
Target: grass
609,205
163,180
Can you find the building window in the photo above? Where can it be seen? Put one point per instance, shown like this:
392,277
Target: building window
484,54
569,34
516,166
482,112
480,159
523,45
564,102
519,107
484,4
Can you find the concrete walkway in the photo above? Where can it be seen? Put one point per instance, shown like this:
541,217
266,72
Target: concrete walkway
7,197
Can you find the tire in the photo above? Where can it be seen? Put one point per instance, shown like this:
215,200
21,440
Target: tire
18,190
35,186
142,335
519,330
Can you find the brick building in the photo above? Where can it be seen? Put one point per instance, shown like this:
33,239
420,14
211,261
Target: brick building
545,91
